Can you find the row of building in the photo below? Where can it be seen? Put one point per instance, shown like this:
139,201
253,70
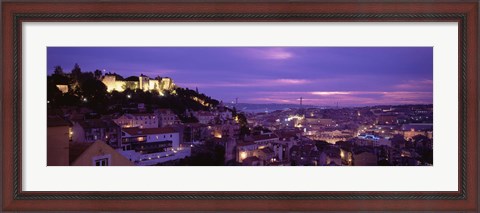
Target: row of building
141,138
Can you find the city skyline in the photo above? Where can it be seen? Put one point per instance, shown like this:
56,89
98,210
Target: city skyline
351,76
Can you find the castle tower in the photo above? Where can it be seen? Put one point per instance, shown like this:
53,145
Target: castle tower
143,81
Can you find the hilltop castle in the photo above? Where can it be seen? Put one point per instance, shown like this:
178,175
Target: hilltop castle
143,82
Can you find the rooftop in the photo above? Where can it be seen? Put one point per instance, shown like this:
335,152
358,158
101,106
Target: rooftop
57,121
76,149
148,131
97,123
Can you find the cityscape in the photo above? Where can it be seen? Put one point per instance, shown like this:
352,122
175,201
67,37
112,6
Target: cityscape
239,106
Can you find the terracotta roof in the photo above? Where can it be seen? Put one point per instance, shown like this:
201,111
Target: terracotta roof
148,131
76,149
57,121
97,123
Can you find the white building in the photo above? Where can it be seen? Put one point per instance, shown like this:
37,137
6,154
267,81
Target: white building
150,146
372,140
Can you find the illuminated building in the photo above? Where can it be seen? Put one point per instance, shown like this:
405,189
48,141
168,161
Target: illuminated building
150,146
143,82
245,150
225,130
412,129
62,88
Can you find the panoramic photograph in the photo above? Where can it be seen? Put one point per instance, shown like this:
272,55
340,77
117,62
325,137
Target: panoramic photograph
239,106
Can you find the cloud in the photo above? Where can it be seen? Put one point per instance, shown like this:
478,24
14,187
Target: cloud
330,93
346,98
415,85
270,53
252,83
290,81
160,72
272,100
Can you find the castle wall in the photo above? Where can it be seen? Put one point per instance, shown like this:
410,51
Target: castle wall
109,81
144,83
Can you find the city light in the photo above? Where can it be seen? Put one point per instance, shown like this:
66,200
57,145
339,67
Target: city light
325,122
294,117
243,155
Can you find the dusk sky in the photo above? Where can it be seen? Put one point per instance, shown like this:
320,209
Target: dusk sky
351,76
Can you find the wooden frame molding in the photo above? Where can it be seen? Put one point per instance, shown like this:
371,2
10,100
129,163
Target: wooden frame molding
15,13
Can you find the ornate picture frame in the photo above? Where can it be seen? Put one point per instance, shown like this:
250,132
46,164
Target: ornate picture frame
16,13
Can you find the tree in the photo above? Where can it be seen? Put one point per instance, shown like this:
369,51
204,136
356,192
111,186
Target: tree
93,92
53,93
76,71
97,74
244,129
58,70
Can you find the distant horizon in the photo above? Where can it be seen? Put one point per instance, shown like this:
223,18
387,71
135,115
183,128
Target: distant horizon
332,105
359,76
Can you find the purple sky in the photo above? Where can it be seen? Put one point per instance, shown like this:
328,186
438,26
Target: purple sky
352,76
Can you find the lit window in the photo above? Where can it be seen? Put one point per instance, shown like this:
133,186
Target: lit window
101,162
